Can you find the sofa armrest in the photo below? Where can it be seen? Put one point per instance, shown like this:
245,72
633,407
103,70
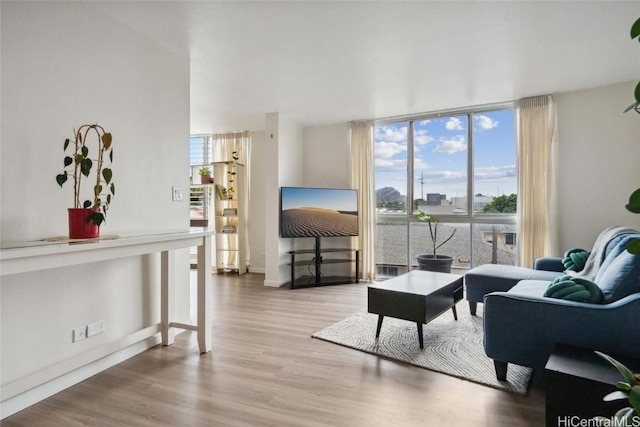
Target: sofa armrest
523,330
549,264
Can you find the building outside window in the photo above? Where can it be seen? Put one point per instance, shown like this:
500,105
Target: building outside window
459,167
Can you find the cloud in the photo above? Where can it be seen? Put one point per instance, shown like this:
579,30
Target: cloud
420,164
485,122
391,134
391,165
496,173
421,137
454,123
386,150
451,145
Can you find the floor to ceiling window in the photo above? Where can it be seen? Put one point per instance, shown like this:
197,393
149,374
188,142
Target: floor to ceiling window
459,167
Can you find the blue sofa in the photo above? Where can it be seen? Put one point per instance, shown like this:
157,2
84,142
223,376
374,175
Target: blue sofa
522,326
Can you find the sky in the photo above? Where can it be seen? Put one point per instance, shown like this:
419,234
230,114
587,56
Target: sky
327,198
441,150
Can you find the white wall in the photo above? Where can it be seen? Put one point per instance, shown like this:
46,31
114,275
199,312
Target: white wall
599,158
256,221
284,143
65,64
326,161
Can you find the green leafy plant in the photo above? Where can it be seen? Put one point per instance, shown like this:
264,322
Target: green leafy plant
82,163
635,34
634,207
205,171
628,389
232,173
634,199
433,230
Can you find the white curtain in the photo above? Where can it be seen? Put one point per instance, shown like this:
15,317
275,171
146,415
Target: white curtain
363,180
537,193
222,148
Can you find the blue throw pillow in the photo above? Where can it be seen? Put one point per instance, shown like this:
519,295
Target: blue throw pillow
619,274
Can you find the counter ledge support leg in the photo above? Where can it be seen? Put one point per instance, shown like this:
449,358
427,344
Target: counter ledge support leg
204,321
167,295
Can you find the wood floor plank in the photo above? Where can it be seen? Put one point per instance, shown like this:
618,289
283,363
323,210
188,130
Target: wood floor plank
266,370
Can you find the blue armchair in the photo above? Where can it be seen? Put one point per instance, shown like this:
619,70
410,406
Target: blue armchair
521,325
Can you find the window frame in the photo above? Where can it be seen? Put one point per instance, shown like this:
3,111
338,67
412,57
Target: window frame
471,218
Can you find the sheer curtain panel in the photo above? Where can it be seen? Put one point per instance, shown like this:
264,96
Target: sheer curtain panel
537,194
363,180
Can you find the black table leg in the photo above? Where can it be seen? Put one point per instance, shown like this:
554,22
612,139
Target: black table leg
420,339
380,317
455,312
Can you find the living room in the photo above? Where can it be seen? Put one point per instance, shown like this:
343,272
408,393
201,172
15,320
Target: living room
65,64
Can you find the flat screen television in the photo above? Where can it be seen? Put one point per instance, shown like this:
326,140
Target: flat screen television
318,212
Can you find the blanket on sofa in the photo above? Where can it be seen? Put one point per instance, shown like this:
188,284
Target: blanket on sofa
599,251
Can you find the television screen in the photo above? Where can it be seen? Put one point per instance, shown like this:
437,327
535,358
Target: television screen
318,212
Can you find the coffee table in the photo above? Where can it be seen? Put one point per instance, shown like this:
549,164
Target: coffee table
418,296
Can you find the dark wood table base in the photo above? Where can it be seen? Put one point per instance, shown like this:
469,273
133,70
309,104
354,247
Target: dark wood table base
418,296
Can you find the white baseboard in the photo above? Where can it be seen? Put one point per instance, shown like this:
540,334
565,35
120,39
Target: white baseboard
273,283
20,400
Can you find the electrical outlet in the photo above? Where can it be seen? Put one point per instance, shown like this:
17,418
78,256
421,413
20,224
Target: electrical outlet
80,334
95,328
176,194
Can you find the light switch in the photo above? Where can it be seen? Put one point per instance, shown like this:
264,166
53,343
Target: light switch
177,194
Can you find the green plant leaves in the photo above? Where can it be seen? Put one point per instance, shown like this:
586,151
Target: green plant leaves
61,178
636,93
97,189
97,218
85,166
85,151
635,29
86,204
66,144
113,189
67,161
634,247
107,174
626,373
634,202
634,398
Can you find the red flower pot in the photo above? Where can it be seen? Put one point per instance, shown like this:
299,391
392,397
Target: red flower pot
79,225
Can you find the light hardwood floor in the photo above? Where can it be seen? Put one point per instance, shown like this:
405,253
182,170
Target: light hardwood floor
265,370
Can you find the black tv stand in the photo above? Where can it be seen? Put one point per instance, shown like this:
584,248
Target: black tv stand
317,261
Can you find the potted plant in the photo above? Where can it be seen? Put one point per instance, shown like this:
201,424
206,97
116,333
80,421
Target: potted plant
85,220
205,175
629,389
434,262
634,199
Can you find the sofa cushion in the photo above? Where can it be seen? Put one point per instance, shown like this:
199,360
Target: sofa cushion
530,288
488,278
619,274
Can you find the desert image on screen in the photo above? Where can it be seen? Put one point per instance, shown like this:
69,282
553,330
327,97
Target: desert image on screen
318,222
318,213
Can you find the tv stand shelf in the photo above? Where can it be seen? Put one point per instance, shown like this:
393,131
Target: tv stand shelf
318,261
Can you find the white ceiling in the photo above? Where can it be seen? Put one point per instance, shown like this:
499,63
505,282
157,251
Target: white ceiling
323,62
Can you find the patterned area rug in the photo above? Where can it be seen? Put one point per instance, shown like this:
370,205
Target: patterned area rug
450,347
